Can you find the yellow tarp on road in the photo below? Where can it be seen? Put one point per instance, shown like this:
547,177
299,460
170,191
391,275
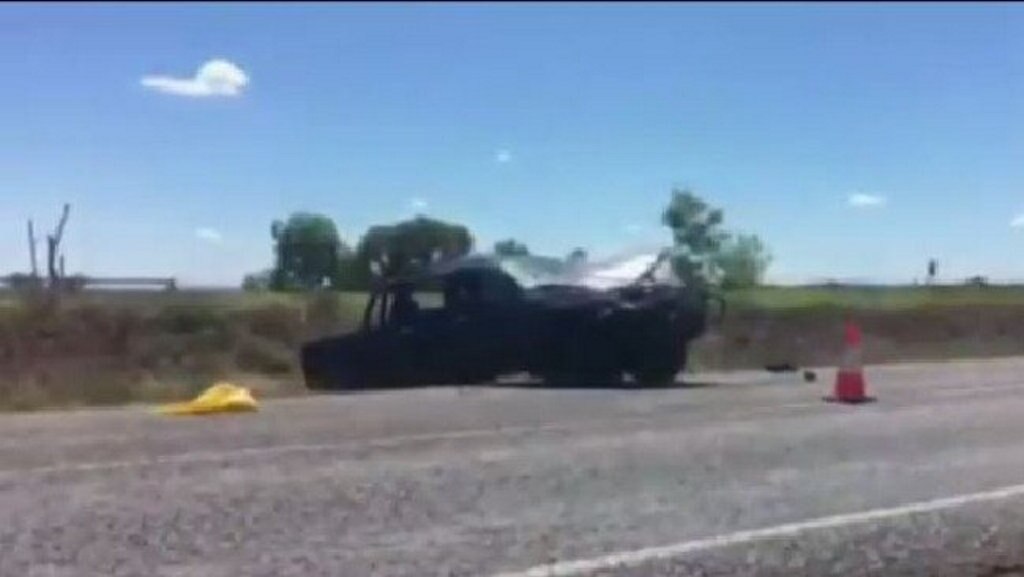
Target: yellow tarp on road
220,398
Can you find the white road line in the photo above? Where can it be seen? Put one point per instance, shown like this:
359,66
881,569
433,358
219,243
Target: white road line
638,557
969,390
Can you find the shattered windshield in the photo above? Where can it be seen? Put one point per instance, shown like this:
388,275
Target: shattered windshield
532,271
620,270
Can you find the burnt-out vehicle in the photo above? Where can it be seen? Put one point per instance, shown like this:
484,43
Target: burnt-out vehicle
512,315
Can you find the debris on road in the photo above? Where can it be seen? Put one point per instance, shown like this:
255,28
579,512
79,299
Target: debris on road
220,398
780,368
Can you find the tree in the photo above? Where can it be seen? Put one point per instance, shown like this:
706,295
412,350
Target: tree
743,261
260,281
54,258
349,275
407,246
577,256
308,251
698,235
510,247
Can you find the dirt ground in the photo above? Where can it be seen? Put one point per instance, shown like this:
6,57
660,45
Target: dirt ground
814,337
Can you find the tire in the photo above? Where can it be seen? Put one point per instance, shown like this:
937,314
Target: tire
472,379
661,374
654,378
589,358
552,379
600,380
582,380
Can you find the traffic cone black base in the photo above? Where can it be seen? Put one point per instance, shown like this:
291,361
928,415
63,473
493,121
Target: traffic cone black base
860,401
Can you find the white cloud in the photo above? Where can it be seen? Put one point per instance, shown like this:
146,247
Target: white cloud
503,156
865,200
210,235
1018,221
214,78
418,204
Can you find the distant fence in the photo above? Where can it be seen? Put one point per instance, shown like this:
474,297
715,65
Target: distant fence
168,283
80,282
171,284
868,283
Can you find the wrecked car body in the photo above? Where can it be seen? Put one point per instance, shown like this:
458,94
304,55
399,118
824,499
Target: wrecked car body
498,316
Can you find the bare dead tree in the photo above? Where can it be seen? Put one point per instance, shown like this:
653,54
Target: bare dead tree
53,248
32,249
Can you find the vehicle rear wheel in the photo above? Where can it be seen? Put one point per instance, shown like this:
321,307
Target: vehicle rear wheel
559,379
473,379
586,358
660,374
655,377
582,380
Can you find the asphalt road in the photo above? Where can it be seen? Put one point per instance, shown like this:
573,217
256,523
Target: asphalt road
737,474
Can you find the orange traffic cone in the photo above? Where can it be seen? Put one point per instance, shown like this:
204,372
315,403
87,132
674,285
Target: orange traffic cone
850,385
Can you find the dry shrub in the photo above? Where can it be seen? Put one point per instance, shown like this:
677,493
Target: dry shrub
207,364
22,394
260,355
157,351
184,319
93,354
9,337
325,314
88,330
267,386
153,389
73,381
277,322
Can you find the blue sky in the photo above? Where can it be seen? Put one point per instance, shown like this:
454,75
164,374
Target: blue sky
858,140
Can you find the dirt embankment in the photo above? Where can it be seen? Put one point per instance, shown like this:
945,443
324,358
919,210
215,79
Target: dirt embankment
96,354
103,353
814,337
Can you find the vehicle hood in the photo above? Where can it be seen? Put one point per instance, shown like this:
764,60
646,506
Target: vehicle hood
531,271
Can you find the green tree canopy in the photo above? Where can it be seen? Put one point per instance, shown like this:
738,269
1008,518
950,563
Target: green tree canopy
577,256
510,247
308,251
743,261
258,281
404,247
698,235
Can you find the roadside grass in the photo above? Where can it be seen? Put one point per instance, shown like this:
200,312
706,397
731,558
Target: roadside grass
874,298
767,298
110,348
102,348
224,300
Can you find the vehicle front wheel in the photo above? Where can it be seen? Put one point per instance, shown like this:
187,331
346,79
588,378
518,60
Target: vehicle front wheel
655,377
661,374
594,380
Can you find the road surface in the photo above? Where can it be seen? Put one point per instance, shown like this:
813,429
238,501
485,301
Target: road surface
737,474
